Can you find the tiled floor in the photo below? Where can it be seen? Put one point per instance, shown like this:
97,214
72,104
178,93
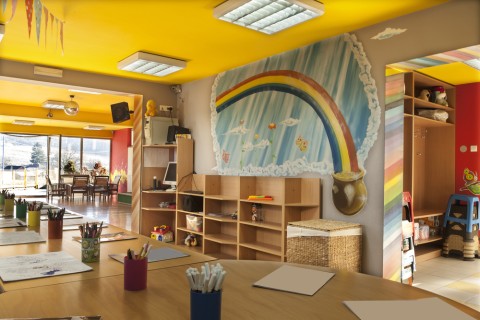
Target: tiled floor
452,278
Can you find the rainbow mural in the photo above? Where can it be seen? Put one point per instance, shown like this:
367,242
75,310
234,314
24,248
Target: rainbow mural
288,81
349,191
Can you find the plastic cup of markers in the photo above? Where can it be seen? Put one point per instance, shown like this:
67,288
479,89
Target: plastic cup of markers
205,305
90,249
135,274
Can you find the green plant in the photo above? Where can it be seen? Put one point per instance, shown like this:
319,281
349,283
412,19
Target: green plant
69,167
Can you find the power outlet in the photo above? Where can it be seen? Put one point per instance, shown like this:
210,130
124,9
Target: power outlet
165,108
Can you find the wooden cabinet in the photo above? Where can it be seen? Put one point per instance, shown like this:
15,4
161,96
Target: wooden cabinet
154,163
229,232
429,158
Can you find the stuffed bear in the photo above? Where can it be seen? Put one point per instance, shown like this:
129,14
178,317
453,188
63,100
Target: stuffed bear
151,109
440,96
424,95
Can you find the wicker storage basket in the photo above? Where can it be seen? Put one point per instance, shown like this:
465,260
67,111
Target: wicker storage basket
326,243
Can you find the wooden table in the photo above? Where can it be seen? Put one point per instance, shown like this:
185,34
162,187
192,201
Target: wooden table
167,296
106,267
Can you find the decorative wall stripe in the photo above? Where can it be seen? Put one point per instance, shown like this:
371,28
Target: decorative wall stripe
393,178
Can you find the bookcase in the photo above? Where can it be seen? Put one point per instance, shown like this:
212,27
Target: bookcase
154,163
429,159
228,230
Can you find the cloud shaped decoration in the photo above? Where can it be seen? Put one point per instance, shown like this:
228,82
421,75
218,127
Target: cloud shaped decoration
388,33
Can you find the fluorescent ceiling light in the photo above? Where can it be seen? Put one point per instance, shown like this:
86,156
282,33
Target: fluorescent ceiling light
151,64
24,122
474,63
2,31
84,91
268,16
53,104
91,127
49,72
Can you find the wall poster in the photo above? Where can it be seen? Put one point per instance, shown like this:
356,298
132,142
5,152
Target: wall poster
313,109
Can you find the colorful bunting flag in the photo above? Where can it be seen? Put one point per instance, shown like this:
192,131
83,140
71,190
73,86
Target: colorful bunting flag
61,35
4,5
38,18
14,8
29,10
45,10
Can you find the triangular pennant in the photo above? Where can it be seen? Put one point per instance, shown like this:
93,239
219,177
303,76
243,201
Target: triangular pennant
4,5
52,18
14,8
56,33
61,35
45,10
38,18
29,10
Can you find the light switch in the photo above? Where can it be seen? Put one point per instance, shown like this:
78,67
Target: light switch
473,148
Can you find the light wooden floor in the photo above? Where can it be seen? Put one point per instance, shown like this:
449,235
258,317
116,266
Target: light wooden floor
110,210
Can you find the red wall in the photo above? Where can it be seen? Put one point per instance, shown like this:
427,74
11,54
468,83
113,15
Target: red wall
467,133
119,156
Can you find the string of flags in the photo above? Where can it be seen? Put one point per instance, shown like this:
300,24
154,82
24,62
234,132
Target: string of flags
42,13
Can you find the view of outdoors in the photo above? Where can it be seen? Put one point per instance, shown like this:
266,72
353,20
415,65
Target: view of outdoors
26,159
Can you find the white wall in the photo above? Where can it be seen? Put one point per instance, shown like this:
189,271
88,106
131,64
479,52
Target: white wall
446,27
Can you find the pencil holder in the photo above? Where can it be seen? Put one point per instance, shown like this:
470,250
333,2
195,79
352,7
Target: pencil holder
21,211
90,249
135,274
205,305
33,218
9,205
55,229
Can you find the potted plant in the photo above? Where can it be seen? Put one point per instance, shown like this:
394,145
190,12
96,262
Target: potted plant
69,167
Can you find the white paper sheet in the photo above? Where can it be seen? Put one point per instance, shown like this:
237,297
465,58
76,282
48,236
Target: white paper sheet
39,266
12,223
19,237
421,309
295,279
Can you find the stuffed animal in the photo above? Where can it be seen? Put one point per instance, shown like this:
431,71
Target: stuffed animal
151,109
440,96
424,95
191,240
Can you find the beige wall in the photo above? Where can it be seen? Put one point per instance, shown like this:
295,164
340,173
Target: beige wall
446,27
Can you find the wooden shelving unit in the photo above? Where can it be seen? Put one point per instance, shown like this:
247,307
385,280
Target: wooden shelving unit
154,163
429,158
241,238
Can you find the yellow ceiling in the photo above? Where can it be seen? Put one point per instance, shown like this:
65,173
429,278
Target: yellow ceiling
98,34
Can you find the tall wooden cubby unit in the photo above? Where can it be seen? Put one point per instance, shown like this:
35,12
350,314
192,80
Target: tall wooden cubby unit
154,163
429,158
295,199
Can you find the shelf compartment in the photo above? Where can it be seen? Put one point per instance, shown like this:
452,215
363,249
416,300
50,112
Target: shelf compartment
429,123
220,206
425,213
220,197
224,219
181,235
199,233
299,213
158,209
429,240
152,218
221,238
262,224
220,231
261,239
220,250
200,214
272,215
247,253
222,187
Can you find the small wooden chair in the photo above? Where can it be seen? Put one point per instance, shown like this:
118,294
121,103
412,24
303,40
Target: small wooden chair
80,185
113,187
55,189
100,186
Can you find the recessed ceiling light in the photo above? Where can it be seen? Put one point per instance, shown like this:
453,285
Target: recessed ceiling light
84,91
151,64
49,72
268,16
24,122
54,104
91,127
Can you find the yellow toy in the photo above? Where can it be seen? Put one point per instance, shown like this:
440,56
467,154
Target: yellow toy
151,109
